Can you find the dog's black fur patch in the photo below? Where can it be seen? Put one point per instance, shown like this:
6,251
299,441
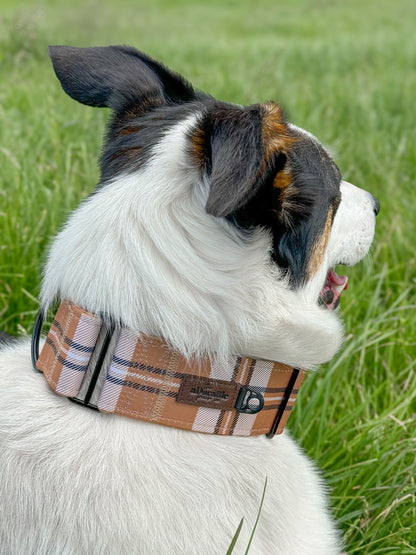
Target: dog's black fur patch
316,182
314,189
130,140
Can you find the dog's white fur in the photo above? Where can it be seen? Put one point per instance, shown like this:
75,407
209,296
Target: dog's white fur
143,249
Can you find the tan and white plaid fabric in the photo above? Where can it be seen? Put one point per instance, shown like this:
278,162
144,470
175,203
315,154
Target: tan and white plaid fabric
145,377
68,348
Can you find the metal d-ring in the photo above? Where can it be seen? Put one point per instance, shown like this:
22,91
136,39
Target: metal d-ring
34,350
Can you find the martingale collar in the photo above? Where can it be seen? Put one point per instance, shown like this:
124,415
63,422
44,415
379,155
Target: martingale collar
116,370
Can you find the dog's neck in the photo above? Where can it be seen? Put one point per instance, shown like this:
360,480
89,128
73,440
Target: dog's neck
143,250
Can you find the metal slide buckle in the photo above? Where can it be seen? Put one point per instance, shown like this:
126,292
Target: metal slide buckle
96,372
95,375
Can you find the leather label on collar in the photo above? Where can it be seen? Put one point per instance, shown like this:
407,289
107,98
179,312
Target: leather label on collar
207,392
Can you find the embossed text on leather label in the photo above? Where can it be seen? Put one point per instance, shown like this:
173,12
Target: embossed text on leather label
207,392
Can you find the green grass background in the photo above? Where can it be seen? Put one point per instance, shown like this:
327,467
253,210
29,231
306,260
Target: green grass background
346,71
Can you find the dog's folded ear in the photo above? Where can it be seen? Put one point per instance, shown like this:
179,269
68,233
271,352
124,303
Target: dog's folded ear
116,77
233,138
242,150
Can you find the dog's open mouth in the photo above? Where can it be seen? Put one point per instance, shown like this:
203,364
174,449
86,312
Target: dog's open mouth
330,295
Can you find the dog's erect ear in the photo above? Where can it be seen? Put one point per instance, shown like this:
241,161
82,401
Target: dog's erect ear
116,77
236,155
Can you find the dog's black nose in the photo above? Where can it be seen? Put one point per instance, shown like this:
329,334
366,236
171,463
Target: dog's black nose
376,206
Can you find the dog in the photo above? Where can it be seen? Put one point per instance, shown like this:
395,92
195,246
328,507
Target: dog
215,228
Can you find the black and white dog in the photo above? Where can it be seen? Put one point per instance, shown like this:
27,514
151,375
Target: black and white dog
216,227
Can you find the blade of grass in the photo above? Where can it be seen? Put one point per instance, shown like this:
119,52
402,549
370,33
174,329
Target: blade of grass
235,538
258,517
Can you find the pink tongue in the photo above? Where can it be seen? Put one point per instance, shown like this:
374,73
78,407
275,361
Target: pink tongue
331,292
336,279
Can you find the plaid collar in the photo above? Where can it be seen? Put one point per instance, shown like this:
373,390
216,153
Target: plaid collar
116,370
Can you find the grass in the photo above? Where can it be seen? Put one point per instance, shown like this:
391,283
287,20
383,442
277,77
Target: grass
343,70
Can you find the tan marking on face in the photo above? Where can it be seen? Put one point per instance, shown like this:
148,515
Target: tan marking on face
132,152
319,249
283,179
276,135
198,147
277,139
128,130
146,105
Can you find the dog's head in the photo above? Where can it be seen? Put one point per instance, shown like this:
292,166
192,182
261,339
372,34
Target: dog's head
255,170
